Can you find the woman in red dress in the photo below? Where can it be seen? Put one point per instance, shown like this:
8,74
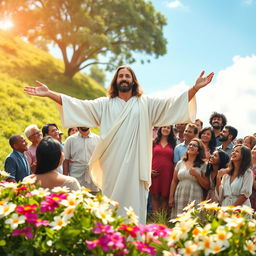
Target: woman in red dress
162,167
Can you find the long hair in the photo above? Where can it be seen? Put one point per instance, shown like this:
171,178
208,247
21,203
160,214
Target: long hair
224,159
212,142
171,140
48,154
136,88
245,161
200,156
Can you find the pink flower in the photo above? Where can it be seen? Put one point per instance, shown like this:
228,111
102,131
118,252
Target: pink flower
144,247
25,231
52,201
40,222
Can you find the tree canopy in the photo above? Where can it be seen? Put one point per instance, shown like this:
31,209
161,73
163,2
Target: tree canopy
88,30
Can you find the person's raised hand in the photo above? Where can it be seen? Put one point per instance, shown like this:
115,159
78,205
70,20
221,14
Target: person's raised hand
42,90
203,81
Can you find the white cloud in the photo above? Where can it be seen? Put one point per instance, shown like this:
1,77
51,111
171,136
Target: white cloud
232,92
248,2
174,4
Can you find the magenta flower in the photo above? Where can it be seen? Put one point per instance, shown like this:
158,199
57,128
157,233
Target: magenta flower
22,209
31,217
116,241
144,247
101,228
56,197
25,231
92,244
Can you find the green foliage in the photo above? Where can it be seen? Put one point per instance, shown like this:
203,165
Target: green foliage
98,74
22,64
90,29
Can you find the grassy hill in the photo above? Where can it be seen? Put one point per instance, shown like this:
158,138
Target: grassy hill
22,64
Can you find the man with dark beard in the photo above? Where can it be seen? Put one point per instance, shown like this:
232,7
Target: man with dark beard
121,163
217,121
227,135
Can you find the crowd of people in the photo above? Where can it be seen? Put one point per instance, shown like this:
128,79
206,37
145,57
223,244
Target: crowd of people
50,161
202,163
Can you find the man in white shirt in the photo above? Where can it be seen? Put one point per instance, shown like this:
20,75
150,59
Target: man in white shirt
78,150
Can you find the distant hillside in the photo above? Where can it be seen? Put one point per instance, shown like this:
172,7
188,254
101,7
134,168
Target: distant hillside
22,64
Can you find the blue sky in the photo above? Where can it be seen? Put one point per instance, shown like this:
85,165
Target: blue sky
210,35
202,35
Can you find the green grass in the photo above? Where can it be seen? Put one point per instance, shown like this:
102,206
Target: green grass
22,64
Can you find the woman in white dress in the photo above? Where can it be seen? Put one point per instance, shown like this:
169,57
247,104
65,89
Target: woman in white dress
188,178
50,156
235,187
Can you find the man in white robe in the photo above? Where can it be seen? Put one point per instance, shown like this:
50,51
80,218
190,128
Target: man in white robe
121,163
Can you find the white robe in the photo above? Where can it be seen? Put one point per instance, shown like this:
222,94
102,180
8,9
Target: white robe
121,163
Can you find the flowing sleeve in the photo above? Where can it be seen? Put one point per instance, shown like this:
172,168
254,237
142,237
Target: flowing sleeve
171,110
246,189
81,113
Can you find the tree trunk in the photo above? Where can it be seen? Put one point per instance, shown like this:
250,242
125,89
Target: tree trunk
70,70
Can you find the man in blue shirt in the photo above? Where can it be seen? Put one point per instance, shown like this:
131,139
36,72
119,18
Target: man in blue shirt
16,163
190,132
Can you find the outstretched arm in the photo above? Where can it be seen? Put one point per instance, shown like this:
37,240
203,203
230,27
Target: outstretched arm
43,91
200,83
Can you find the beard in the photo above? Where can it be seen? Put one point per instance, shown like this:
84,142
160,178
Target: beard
216,126
124,88
222,138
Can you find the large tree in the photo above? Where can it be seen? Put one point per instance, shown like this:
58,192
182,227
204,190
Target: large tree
86,30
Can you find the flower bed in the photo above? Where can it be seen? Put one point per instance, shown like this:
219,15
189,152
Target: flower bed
36,221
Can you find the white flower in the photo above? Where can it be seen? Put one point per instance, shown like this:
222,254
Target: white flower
70,201
91,204
222,236
206,244
40,192
61,190
4,174
6,208
190,206
217,246
174,236
104,214
9,184
171,252
250,246
190,249
58,223
131,215
49,243
68,213
15,220
29,180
